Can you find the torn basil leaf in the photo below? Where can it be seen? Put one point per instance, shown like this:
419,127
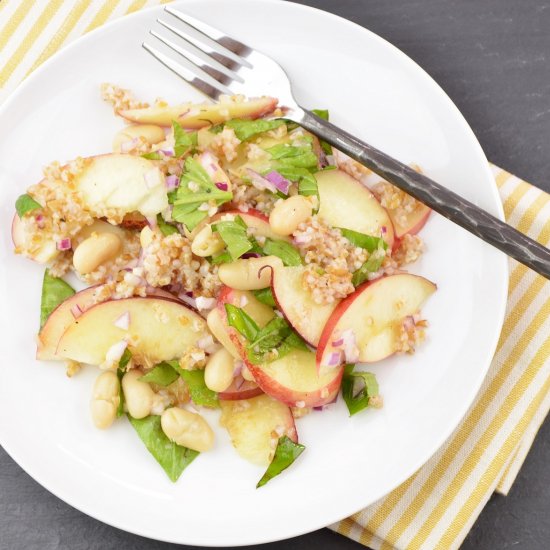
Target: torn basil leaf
285,454
25,203
153,155
242,322
166,228
198,391
172,458
361,240
372,265
265,296
162,374
196,190
121,369
284,250
358,388
234,235
221,258
54,292
246,129
184,142
323,113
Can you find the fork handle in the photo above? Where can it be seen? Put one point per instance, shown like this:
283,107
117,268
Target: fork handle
447,203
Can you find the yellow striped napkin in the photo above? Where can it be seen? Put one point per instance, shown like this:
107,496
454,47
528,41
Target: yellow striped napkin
437,506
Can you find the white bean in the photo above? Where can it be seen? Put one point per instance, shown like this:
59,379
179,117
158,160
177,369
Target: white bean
149,132
146,237
218,373
206,243
248,274
187,429
105,399
217,328
139,396
246,374
95,250
287,215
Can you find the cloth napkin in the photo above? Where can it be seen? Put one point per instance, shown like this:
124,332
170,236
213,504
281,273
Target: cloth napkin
437,506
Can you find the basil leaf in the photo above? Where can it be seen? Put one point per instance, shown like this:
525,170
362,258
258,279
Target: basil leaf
285,454
121,369
271,335
184,141
54,292
358,388
222,258
288,254
292,341
265,296
25,203
187,202
233,234
294,156
323,113
173,458
368,242
165,227
153,155
246,129
240,320
372,265
163,375
199,393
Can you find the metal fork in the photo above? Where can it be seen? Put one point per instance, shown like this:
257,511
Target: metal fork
218,64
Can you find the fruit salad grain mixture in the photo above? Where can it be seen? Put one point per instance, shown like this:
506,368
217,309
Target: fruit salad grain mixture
228,260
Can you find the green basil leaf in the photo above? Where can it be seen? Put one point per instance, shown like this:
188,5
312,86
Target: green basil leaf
358,388
121,369
54,292
368,242
288,253
25,203
265,296
233,234
221,258
293,156
246,129
323,113
165,227
172,458
292,341
198,391
285,454
242,322
271,335
153,155
163,374
184,141
372,265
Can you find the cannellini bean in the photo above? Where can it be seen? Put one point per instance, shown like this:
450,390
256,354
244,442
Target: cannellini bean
149,132
287,215
187,429
139,396
217,328
105,399
146,237
218,373
248,274
205,243
246,374
95,250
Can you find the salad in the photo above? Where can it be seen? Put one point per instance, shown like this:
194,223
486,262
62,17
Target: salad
228,260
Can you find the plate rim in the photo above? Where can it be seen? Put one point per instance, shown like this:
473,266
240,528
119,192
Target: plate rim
503,270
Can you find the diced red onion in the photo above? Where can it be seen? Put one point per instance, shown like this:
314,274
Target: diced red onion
207,344
203,303
222,186
250,255
338,343
172,182
239,381
384,229
152,222
64,244
123,321
351,351
167,152
302,239
209,162
40,222
114,353
331,161
76,311
334,359
260,182
151,178
281,183
238,369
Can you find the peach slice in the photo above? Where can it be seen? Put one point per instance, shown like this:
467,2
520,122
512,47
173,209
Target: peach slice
413,222
240,390
255,426
373,316
345,202
195,116
46,252
159,330
297,305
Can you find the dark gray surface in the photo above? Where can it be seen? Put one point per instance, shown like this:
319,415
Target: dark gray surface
493,59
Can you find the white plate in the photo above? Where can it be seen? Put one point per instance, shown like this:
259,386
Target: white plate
371,89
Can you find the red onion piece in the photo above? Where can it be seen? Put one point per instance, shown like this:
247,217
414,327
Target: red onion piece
167,152
238,369
259,182
334,359
384,229
188,300
281,183
64,244
250,255
152,222
351,351
338,343
222,186
172,182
